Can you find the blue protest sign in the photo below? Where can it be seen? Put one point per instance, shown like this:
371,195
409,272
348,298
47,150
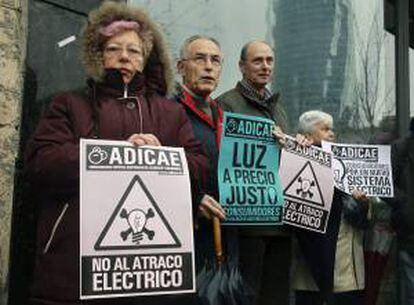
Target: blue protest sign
249,185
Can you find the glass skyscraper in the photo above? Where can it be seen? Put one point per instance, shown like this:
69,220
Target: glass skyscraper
312,55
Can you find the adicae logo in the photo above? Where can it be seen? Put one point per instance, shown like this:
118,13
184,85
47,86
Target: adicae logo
231,125
97,155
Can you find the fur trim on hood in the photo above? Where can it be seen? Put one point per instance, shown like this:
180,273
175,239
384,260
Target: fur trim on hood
158,69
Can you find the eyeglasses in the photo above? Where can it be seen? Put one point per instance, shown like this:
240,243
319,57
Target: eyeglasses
202,59
115,50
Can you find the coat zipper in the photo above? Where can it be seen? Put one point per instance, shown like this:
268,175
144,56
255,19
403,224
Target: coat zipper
125,97
125,91
55,226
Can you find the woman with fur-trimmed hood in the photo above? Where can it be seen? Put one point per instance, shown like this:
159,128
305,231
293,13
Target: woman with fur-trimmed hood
126,59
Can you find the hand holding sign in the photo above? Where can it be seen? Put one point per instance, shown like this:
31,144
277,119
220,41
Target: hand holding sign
210,208
302,140
281,137
140,139
361,197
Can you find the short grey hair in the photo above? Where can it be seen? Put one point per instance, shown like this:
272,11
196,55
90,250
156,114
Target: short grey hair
189,40
309,119
245,48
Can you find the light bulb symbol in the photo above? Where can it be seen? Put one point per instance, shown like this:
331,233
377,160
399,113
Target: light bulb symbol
305,187
137,220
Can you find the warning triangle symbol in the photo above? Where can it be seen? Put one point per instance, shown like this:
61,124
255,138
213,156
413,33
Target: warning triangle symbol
137,222
305,187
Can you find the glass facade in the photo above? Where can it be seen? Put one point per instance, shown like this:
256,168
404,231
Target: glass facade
313,43
336,56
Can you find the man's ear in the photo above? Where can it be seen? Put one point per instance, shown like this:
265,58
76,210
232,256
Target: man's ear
180,67
241,66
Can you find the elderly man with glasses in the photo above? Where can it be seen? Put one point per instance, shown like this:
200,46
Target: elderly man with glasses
200,68
200,65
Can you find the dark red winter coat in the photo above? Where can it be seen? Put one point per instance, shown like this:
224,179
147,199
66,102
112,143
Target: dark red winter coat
107,109
52,164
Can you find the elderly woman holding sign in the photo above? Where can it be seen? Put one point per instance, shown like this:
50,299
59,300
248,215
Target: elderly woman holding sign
331,269
125,57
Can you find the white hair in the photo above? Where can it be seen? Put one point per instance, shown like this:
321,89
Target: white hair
309,119
189,40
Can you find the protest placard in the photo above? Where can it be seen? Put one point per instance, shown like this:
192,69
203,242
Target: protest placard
249,185
362,167
136,233
307,182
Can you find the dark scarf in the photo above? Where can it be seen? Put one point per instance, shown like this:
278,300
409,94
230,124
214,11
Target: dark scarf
248,91
267,102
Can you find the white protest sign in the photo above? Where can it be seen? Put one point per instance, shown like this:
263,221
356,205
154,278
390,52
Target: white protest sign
362,167
308,186
136,232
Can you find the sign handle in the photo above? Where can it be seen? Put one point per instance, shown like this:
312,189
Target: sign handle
218,249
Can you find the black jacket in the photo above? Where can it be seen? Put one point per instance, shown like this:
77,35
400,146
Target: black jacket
402,156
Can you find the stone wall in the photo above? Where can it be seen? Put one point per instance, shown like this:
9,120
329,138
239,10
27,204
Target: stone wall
13,34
